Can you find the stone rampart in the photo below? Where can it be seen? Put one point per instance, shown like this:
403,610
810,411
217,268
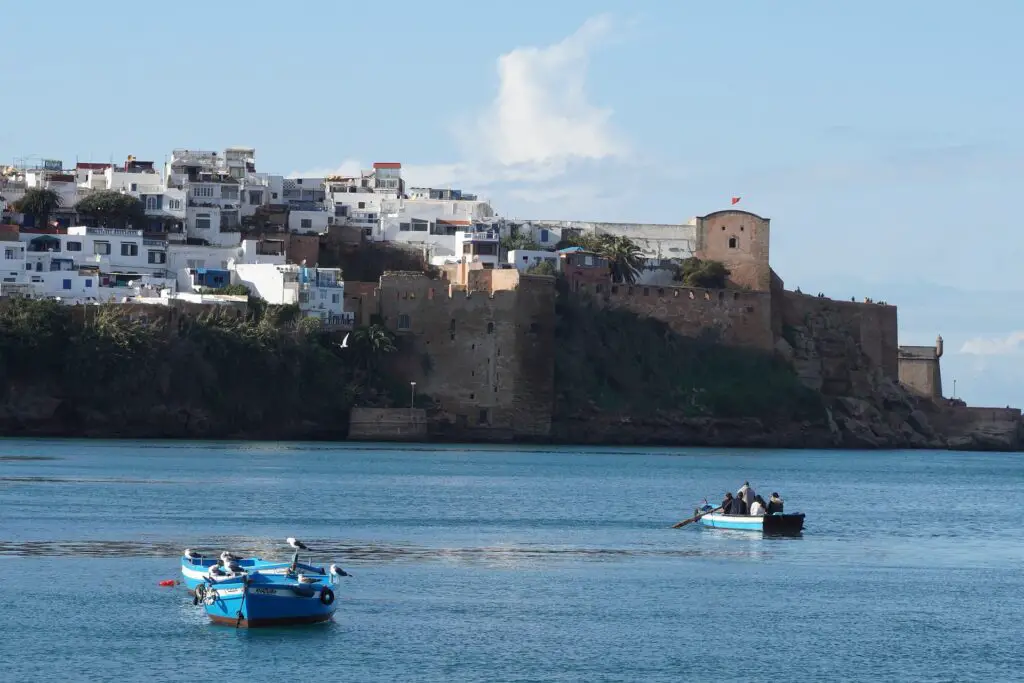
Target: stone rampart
739,318
387,424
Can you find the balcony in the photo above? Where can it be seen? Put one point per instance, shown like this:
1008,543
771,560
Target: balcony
153,243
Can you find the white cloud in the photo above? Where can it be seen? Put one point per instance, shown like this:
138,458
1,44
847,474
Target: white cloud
995,346
539,124
541,115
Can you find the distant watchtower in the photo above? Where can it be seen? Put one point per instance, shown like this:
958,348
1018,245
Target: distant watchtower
920,371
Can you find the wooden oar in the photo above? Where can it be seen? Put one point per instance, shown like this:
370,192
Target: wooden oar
683,523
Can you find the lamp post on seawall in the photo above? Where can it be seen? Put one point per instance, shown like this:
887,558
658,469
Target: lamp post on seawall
954,388
412,395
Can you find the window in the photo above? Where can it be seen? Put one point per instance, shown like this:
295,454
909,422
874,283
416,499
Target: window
273,195
88,282
202,221
67,284
362,205
129,249
101,248
420,225
404,227
485,418
194,263
174,204
335,298
228,192
10,254
543,236
135,187
403,321
256,197
732,242
150,202
490,328
202,191
73,246
157,256
306,223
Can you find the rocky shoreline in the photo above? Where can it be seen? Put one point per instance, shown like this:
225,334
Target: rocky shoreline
849,424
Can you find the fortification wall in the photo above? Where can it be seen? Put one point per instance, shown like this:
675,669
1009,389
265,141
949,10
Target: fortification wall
740,240
482,355
387,424
739,318
922,376
874,326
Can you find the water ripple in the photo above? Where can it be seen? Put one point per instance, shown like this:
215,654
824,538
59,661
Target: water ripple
352,553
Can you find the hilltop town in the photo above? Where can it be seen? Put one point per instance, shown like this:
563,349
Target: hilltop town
497,328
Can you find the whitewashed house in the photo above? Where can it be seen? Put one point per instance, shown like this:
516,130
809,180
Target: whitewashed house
319,292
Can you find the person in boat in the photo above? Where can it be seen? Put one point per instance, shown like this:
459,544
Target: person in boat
727,503
738,506
746,493
757,507
774,504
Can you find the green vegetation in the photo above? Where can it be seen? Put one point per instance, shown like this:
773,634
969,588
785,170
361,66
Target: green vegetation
265,374
705,274
613,360
229,290
625,259
112,209
544,267
519,241
39,204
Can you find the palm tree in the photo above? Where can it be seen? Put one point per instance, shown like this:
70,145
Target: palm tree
38,203
373,343
624,258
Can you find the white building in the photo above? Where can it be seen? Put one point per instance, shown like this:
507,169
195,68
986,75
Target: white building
524,259
319,292
656,241
13,266
308,221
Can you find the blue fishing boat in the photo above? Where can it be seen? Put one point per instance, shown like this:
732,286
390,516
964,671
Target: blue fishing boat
196,567
254,599
777,523
253,592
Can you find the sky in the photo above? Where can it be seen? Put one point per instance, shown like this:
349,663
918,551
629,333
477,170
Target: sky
884,140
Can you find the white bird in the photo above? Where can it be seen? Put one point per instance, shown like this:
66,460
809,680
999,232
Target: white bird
229,557
298,545
338,571
190,555
344,342
305,579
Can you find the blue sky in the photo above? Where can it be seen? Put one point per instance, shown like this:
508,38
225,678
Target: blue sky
884,139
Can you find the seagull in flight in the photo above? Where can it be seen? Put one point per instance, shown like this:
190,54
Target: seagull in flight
344,342
298,545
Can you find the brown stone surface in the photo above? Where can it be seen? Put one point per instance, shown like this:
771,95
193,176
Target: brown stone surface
387,424
738,239
485,355
739,318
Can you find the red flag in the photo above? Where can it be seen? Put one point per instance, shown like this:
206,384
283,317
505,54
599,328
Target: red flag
735,200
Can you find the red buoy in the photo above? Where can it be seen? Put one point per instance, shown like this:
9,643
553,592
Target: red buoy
168,582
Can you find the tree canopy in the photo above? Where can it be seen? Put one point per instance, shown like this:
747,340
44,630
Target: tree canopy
111,208
694,272
519,241
38,203
625,260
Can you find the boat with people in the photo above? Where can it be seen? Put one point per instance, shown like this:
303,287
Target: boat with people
252,592
747,511
778,523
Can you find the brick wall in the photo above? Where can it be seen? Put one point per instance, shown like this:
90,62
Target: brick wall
302,248
740,318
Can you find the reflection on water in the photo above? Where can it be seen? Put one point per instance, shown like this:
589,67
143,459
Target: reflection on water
356,553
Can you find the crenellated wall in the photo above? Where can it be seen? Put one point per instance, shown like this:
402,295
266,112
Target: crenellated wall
739,318
485,355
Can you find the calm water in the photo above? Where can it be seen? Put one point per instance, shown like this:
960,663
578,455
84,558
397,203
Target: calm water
490,564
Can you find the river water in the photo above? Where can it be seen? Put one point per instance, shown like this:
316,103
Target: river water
515,564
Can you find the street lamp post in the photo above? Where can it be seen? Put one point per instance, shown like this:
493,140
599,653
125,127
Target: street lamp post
954,388
412,395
